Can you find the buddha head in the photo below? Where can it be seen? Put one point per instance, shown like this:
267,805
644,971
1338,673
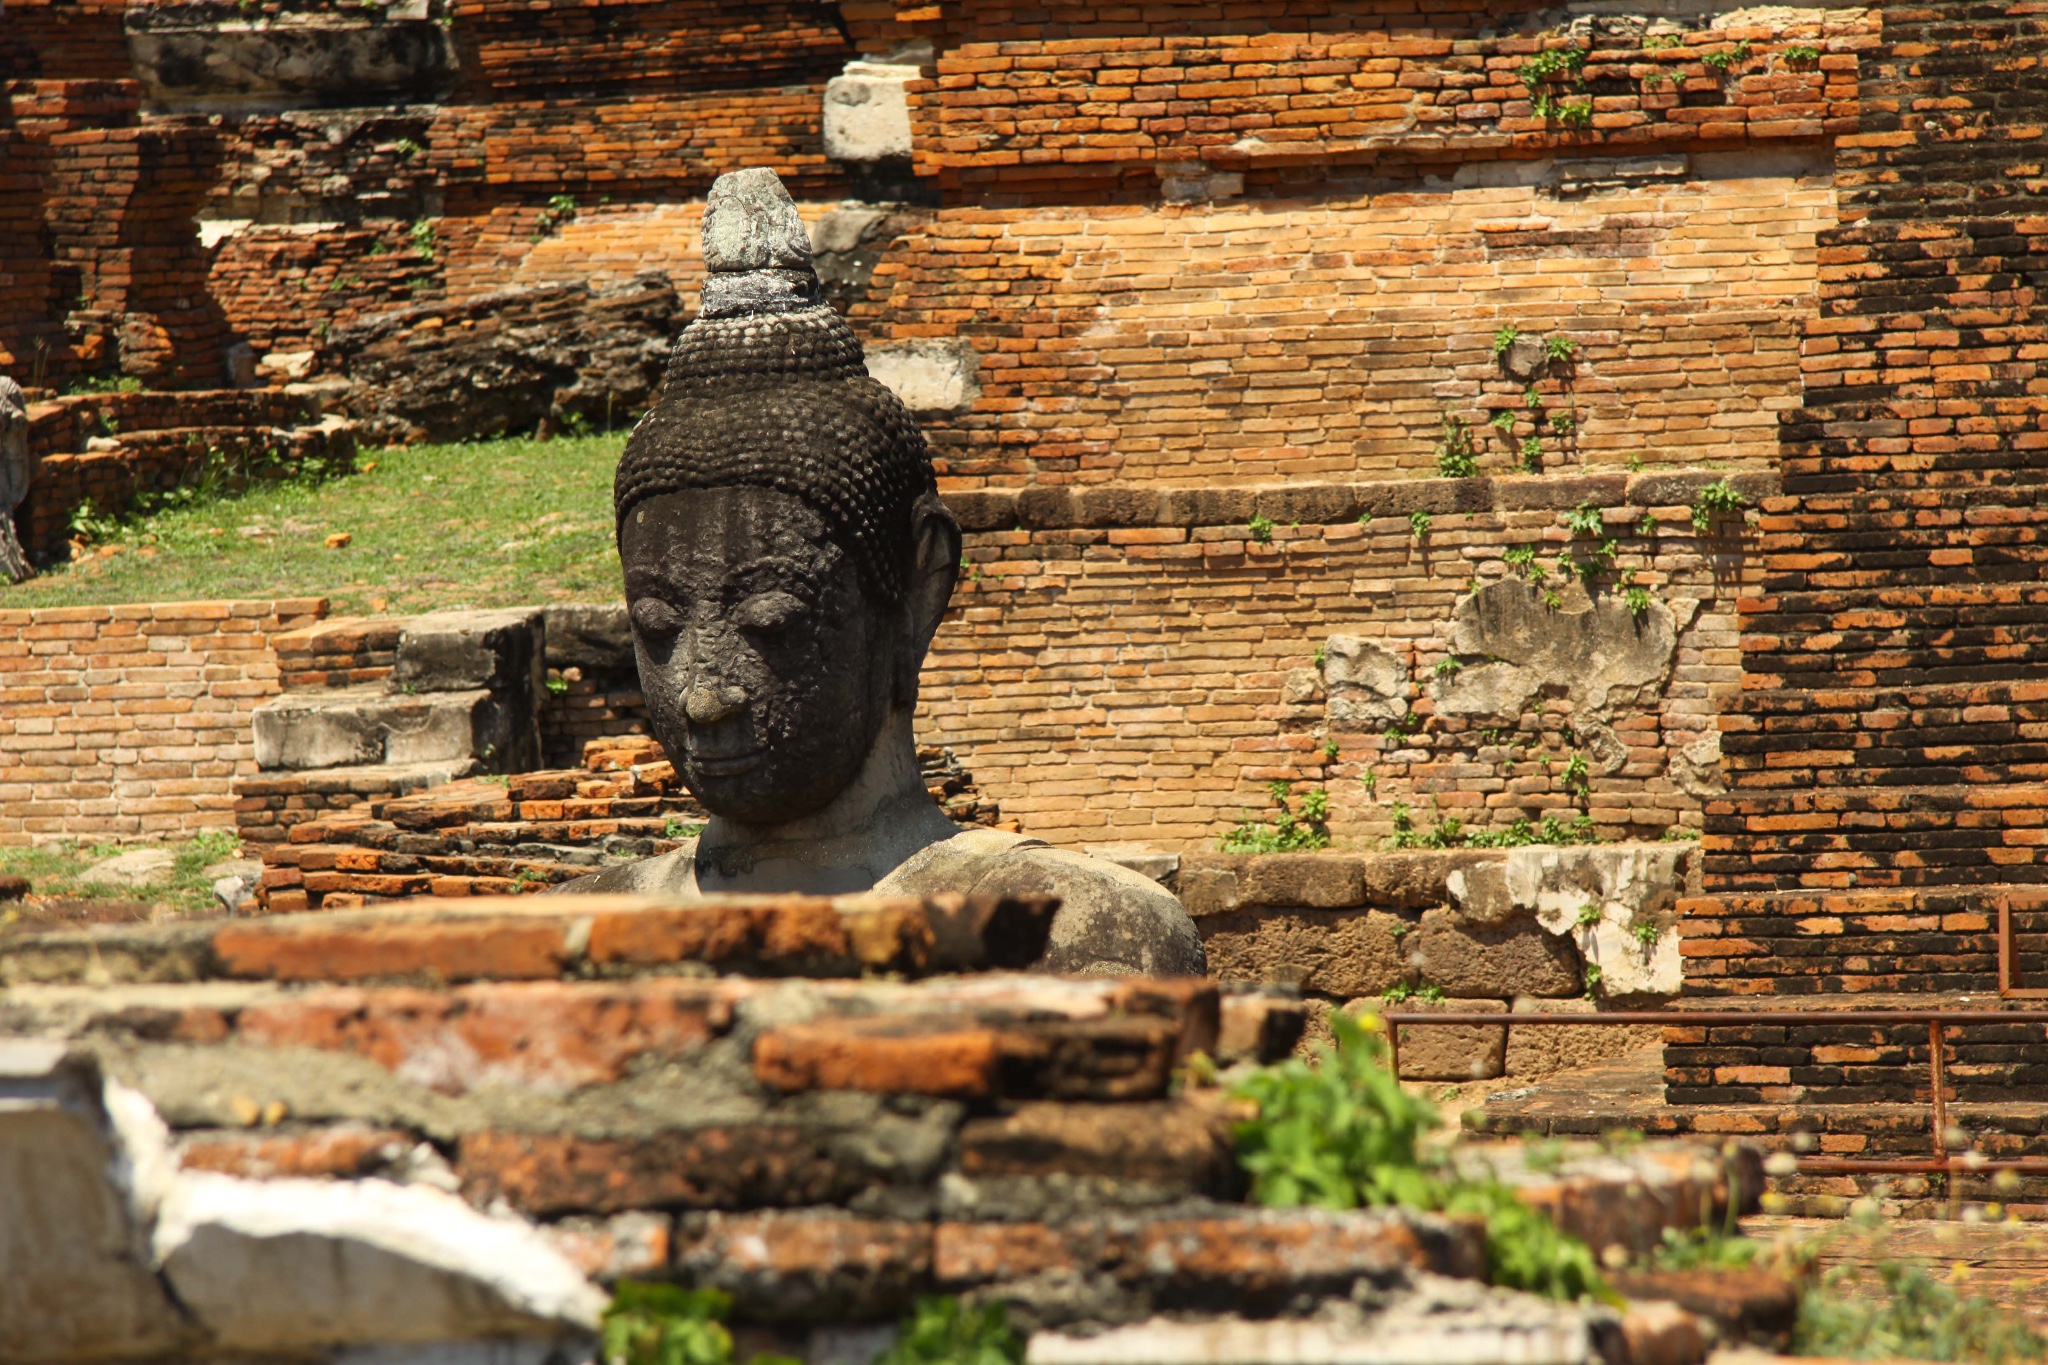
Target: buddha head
786,555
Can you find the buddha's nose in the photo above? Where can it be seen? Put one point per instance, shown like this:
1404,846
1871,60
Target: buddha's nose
710,703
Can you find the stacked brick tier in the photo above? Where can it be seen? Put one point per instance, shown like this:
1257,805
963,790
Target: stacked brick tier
330,842
824,1148
1630,1094
1072,118
126,721
1886,733
109,449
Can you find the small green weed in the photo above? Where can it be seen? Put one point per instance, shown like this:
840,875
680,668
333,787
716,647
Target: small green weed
1716,500
1532,454
1504,340
1455,458
1575,114
679,830
1800,54
1402,991
1562,423
1705,1248
1330,751
1370,780
1447,667
1585,520
1675,834
1637,600
1344,1134
1290,832
1261,529
1578,775
1503,422
1648,933
1588,916
941,1331
1918,1318
106,383
1418,524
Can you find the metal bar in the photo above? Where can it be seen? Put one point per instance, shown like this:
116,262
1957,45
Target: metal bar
1729,1018
1939,1087
1394,1051
1918,1165
2008,969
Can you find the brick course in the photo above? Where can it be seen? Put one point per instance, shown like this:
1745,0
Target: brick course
132,721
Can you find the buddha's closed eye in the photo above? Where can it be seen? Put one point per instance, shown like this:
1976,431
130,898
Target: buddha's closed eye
768,612
655,618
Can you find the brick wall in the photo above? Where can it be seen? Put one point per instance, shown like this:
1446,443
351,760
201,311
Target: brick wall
1118,663
131,721
1297,340
1074,116
1885,734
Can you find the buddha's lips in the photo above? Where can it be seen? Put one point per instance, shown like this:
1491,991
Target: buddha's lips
727,765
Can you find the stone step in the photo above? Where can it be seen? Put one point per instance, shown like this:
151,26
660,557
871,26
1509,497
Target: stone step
368,726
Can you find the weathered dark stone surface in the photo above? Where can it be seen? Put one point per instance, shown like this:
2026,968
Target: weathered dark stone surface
552,357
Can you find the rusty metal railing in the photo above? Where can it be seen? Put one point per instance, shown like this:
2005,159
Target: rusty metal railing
1937,1021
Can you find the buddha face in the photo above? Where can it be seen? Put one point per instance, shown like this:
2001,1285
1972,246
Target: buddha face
767,669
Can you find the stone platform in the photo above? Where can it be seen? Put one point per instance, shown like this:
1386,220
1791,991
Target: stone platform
481,1109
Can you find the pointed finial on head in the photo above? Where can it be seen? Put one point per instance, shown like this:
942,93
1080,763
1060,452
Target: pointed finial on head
755,246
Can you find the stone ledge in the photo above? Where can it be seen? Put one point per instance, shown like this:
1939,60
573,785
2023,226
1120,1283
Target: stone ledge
527,939
1110,506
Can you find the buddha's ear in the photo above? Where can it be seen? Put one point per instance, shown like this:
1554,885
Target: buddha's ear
933,571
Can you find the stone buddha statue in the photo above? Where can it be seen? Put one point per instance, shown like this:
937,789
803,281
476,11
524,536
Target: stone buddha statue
787,560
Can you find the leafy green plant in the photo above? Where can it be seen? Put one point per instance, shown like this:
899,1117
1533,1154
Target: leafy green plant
407,148
1403,991
1291,831
1370,780
1637,599
1575,113
1800,54
1563,423
1447,667
558,686
105,383
1322,653
1585,520
1704,1248
1532,454
1717,499
1418,524
1503,422
1504,340
1455,458
1674,834
1532,399
1648,933
1558,348
1261,529
943,1331
1722,60
1918,1318
1330,751
1647,527
1594,976
1344,1134
1550,64
1578,776
679,830
1588,916
662,1324
1522,558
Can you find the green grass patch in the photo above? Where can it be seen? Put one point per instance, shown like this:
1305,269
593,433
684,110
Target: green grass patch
485,523
54,872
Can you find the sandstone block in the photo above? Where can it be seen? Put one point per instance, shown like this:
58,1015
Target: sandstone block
1366,684
1500,960
1340,953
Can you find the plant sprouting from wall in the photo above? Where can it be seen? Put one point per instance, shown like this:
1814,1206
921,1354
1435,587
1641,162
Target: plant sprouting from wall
1455,457
1342,1133
1418,524
1261,529
1716,500
1291,831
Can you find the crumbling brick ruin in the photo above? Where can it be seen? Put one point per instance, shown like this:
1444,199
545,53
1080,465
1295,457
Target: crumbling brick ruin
1611,424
